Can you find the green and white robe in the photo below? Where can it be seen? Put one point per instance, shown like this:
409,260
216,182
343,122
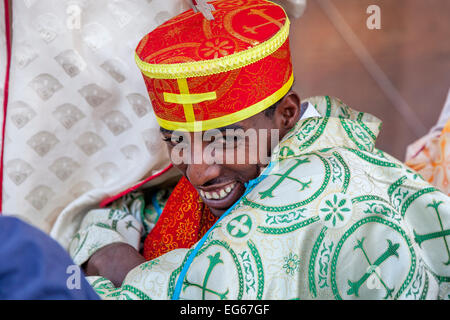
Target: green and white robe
332,217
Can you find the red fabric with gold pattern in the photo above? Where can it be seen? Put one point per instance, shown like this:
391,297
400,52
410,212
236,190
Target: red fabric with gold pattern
184,221
244,87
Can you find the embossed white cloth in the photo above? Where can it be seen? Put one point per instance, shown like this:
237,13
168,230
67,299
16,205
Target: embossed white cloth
3,56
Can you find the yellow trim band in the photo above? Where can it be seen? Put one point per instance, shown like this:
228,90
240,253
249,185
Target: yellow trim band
228,119
189,98
214,66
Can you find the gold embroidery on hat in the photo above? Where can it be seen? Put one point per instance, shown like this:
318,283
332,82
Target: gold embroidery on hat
214,66
229,118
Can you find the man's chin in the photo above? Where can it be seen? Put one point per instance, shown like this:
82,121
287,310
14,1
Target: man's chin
219,207
218,212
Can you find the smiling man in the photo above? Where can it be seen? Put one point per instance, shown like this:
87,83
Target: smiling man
306,206
219,162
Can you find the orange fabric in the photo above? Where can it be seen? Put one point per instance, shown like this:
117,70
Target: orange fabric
184,221
433,161
237,26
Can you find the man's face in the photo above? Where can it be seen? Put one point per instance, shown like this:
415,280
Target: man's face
219,162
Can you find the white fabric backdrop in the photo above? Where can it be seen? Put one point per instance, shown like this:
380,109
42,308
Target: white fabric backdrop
3,56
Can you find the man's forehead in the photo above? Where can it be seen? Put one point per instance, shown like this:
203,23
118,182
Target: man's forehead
234,126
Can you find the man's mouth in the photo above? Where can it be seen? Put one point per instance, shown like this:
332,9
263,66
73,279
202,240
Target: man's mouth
218,194
224,196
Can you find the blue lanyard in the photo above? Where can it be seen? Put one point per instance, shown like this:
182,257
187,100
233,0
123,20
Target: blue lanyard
249,187
156,205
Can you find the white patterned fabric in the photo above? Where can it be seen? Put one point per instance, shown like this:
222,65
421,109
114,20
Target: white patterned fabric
444,116
128,220
417,146
79,120
3,58
332,217
430,155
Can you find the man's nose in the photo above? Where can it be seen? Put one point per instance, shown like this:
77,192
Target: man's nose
200,174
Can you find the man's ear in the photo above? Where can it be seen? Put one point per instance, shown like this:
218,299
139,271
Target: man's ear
288,112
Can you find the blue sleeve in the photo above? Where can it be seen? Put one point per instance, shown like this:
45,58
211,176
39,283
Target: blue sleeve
33,266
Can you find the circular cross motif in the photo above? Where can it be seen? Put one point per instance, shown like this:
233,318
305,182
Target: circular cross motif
304,178
240,226
335,210
374,259
254,24
205,280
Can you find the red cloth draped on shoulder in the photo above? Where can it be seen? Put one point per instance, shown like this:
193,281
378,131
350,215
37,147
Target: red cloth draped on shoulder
184,221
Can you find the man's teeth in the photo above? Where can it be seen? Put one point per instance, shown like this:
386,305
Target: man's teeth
218,194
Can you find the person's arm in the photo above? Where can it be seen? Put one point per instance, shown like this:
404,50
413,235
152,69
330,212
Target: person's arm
113,262
108,240
35,267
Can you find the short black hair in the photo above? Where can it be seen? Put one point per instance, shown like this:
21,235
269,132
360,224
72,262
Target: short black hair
270,111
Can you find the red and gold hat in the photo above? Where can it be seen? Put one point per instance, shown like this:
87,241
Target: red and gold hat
203,74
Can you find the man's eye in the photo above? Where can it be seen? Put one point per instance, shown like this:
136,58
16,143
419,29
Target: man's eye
174,140
228,140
